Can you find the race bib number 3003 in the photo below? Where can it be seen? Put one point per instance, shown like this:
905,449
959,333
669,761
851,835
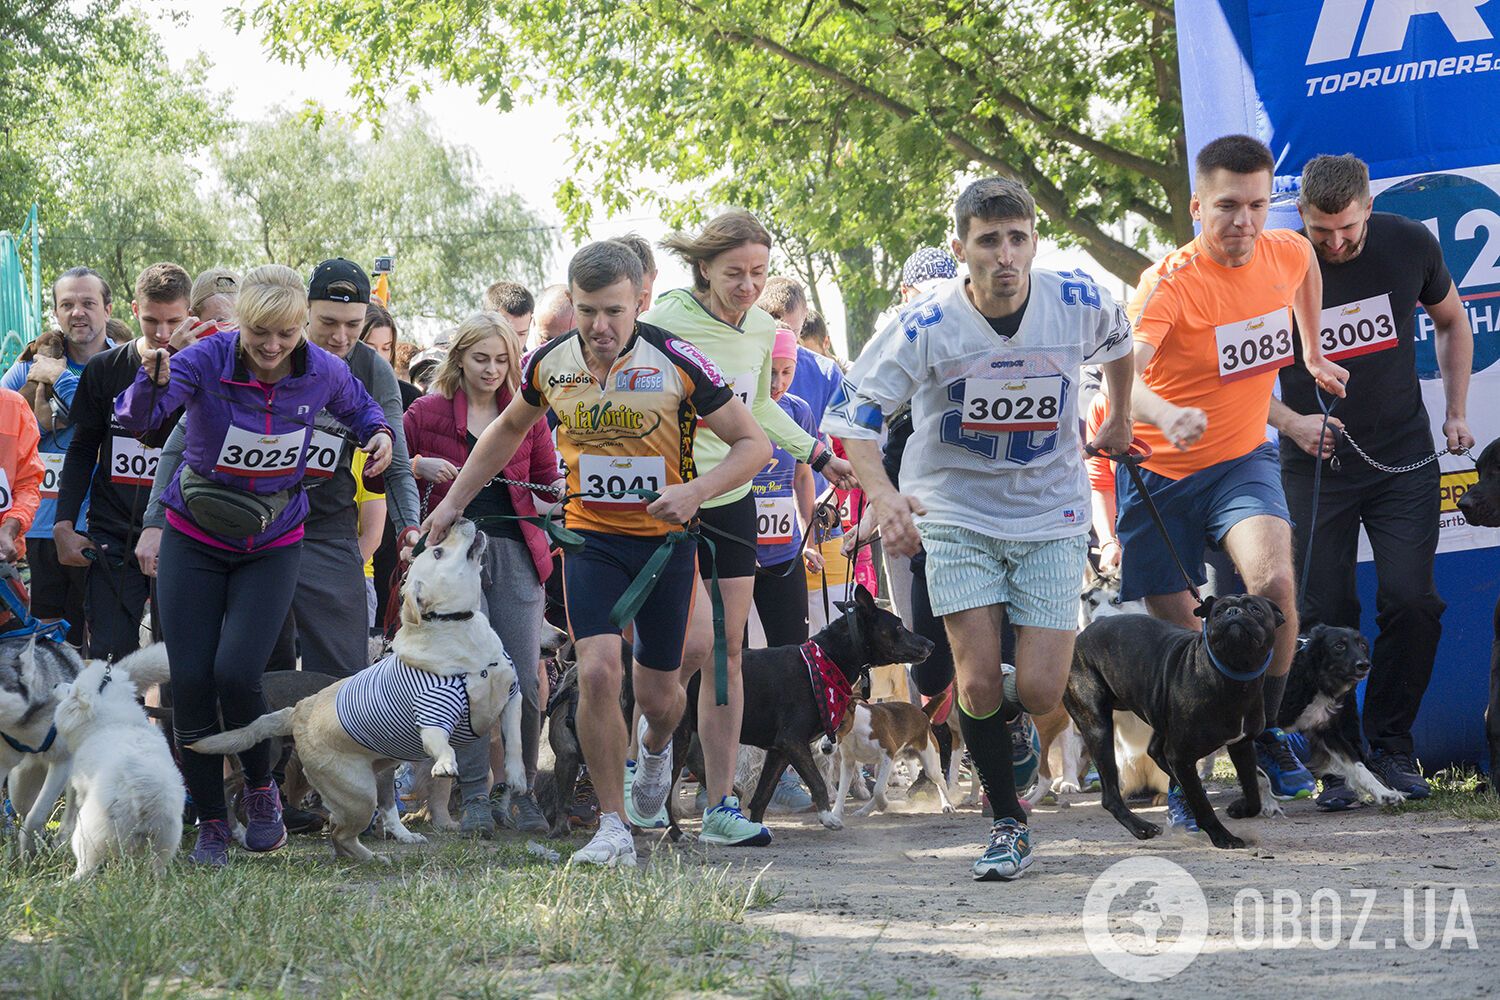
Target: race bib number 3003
1356,328
246,453
132,463
1028,404
1254,346
606,479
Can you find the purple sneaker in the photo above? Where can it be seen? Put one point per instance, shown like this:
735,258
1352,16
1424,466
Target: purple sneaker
212,848
264,830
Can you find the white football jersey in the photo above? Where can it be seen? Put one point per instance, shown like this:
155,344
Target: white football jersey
996,441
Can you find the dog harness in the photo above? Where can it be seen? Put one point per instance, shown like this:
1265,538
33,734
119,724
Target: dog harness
385,707
831,689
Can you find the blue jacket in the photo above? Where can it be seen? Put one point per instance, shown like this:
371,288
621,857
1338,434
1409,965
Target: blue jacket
209,378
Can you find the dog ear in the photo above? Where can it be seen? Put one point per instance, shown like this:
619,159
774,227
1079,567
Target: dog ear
864,598
1205,609
477,546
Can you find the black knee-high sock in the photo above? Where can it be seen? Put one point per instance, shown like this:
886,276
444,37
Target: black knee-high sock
988,743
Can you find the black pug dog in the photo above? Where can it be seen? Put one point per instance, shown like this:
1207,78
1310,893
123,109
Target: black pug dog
1480,506
1329,664
781,714
1163,673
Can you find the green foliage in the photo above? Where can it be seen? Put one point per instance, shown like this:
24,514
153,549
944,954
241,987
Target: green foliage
845,122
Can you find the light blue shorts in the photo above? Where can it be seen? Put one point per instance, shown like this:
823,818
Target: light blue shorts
1039,581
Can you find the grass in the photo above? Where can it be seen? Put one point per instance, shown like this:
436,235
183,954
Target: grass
453,919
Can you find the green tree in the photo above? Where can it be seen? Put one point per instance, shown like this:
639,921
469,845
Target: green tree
844,121
307,187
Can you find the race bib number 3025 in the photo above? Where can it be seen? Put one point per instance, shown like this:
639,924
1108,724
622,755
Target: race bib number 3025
1254,346
1356,328
246,453
132,463
1028,404
606,478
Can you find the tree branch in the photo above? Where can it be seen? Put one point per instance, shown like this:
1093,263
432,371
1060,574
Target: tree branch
1160,8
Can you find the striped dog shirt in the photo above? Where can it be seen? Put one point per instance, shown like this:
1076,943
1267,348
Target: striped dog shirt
386,706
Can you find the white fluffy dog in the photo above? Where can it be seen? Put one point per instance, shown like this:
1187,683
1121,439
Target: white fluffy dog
126,792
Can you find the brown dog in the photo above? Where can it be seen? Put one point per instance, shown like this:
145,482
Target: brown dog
877,734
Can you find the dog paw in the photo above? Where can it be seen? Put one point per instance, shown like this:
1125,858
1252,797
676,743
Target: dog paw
1067,788
445,824
1145,831
1389,797
1225,841
445,767
948,809
405,836
1270,808
1240,809
831,820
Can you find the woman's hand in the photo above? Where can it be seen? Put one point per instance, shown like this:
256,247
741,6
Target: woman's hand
379,449
434,470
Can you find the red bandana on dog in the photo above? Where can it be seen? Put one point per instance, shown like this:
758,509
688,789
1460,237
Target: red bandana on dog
830,687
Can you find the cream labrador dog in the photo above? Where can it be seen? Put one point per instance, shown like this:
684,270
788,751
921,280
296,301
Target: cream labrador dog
447,681
125,790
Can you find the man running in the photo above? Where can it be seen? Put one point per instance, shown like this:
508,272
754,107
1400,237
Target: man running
627,397
1376,268
1213,324
990,364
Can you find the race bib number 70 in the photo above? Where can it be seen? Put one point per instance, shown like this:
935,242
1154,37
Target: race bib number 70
246,453
1254,346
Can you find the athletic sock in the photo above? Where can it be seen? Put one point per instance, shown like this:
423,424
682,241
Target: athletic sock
988,743
1010,699
1274,688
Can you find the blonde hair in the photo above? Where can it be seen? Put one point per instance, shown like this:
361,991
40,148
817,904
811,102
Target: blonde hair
731,230
214,281
271,297
479,326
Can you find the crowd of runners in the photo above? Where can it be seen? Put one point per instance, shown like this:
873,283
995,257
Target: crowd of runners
248,469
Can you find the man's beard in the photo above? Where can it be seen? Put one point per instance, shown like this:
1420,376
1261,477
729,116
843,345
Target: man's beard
1349,252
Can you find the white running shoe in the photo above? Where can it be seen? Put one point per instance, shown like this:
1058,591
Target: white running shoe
612,846
653,778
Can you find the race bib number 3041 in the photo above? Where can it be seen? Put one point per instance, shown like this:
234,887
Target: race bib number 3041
606,478
246,453
1356,328
1254,346
1026,404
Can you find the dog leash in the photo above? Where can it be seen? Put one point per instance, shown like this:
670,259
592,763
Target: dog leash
1138,452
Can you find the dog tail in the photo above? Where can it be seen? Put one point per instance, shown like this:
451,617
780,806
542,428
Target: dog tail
238,740
147,666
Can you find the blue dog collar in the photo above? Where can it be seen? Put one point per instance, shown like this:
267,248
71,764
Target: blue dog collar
20,747
1234,675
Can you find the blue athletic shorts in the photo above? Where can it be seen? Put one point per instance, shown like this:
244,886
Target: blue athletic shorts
1198,510
594,579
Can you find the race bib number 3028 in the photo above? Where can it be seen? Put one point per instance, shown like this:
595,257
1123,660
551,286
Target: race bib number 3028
1028,404
1254,346
1356,328
606,479
132,463
246,453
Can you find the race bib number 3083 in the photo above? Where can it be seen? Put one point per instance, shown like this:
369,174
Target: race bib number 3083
1025,404
1356,328
608,477
132,463
246,453
1254,346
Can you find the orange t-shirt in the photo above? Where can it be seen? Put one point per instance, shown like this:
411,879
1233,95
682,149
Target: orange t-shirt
21,466
1100,469
1220,335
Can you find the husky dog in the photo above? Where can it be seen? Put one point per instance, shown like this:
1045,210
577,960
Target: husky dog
34,757
123,789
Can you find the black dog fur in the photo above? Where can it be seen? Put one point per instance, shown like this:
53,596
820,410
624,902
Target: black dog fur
1480,506
1161,672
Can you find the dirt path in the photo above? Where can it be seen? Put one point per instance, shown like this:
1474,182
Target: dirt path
887,908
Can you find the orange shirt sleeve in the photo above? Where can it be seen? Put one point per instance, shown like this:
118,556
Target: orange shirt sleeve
1101,472
1153,309
22,460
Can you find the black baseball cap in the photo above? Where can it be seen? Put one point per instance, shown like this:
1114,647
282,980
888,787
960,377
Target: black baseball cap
332,272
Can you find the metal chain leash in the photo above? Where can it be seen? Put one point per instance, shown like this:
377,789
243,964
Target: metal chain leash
1334,463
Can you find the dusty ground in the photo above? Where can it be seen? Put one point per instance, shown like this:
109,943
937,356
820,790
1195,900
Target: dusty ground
887,907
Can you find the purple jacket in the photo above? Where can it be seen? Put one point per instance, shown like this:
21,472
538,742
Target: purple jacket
211,380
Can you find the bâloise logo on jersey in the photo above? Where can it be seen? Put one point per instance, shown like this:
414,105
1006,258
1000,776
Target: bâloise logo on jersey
570,378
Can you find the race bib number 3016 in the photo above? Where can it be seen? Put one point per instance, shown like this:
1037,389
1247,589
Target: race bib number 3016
606,478
132,463
1254,346
1356,328
776,520
52,464
1029,404
246,453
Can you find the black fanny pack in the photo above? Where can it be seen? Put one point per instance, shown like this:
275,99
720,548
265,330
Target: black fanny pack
227,510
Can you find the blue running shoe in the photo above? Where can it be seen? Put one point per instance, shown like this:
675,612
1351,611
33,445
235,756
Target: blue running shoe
1179,813
1285,773
791,796
1008,855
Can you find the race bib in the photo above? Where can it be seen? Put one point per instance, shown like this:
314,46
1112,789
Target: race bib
607,478
323,453
1021,404
52,463
132,463
1356,328
5,496
1253,346
246,453
744,386
776,520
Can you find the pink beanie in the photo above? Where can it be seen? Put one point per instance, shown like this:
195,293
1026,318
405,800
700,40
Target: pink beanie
786,345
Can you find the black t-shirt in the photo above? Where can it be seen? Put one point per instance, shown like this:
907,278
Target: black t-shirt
1383,408
103,456
492,503
1007,326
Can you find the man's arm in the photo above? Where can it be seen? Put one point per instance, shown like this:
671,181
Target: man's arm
1117,430
90,420
749,451
898,532
1453,341
492,450
1305,429
1307,308
400,489
1182,425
